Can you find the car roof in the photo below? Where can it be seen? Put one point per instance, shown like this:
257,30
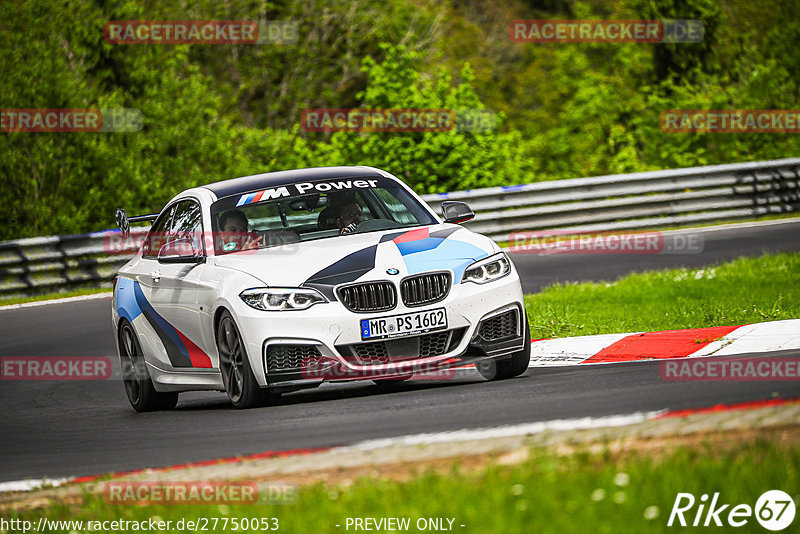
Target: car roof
256,182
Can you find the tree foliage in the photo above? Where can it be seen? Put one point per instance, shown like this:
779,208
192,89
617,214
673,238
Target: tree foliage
212,112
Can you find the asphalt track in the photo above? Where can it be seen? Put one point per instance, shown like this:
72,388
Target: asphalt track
67,428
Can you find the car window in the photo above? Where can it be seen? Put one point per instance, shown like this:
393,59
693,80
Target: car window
181,220
265,216
396,209
156,237
185,220
187,223
314,210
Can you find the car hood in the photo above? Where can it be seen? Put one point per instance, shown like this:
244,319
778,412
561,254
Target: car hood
326,263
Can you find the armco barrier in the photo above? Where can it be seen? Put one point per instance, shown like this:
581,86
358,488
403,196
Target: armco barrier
28,266
638,200
619,202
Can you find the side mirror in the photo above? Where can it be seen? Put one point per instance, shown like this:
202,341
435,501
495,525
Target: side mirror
456,212
180,251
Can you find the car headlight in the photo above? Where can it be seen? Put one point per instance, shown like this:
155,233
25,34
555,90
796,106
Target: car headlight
488,269
281,298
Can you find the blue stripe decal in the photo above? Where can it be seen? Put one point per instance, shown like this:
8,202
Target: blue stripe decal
127,306
246,199
448,254
412,247
161,324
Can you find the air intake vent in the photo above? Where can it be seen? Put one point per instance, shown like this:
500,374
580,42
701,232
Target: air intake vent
371,353
368,297
500,326
425,288
403,348
282,357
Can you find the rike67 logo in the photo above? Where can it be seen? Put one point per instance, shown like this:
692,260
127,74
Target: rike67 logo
774,510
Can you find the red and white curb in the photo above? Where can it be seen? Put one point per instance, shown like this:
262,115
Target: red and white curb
416,440
689,343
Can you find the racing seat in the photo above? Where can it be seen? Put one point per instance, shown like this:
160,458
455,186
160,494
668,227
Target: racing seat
280,237
327,219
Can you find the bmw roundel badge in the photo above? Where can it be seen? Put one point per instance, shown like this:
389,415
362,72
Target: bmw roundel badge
392,270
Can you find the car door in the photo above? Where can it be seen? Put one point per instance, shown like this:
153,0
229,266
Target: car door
172,288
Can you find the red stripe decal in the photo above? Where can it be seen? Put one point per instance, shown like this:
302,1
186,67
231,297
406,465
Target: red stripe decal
257,197
199,358
412,235
657,345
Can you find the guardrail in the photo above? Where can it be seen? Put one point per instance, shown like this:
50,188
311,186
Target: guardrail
37,264
632,201
603,203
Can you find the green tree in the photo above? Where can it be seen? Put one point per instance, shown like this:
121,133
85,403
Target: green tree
430,161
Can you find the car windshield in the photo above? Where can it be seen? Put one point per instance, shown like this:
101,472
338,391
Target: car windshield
313,210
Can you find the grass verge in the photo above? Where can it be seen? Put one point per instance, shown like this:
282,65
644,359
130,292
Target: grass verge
583,491
747,290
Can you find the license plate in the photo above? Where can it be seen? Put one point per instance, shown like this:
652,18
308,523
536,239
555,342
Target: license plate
404,325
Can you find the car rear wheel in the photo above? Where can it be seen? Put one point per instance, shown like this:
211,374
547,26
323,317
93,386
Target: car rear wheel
136,378
509,367
237,377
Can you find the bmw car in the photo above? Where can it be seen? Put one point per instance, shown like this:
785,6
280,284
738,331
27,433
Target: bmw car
271,283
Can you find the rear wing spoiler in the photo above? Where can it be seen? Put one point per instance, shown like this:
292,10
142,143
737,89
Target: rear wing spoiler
124,222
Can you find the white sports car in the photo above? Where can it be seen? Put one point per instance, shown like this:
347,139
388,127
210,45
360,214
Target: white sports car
280,281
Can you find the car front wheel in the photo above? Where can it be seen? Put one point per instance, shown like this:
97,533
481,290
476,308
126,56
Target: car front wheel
237,377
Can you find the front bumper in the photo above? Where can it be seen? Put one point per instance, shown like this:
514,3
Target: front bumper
294,349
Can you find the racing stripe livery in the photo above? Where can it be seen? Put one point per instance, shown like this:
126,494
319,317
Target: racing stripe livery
182,352
339,273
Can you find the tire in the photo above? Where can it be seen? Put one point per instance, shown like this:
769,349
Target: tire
138,386
508,367
240,384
